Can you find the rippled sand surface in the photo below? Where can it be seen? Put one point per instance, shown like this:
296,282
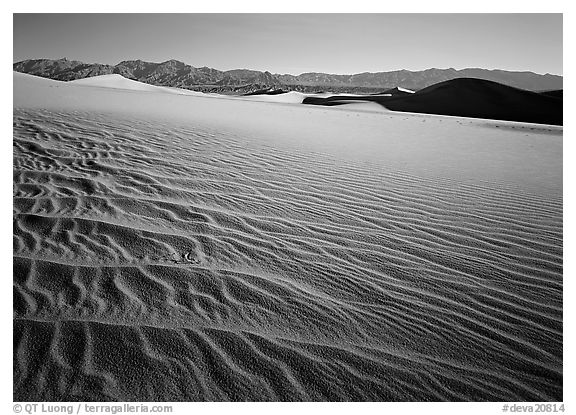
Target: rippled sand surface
175,260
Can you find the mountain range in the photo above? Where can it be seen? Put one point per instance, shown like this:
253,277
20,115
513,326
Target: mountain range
178,74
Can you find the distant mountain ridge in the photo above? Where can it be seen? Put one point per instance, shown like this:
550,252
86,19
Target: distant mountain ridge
178,74
422,79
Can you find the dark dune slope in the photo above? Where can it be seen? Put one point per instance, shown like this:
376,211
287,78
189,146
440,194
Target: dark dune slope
266,91
556,93
468,97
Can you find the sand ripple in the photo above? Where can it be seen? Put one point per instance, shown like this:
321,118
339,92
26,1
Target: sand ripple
169,262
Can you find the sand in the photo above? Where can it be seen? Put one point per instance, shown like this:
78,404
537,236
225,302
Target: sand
188,248
116,81
466,97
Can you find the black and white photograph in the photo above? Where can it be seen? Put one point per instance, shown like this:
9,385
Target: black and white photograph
288,207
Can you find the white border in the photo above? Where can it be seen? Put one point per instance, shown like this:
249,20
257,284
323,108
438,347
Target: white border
301,6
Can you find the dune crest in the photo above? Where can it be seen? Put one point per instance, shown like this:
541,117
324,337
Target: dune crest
116,81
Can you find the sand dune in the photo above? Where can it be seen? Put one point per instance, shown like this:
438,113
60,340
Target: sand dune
397,91
171,247
467,97
34,81
291,97
116,81
557,93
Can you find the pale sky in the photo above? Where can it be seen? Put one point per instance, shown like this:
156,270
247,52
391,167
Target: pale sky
297,43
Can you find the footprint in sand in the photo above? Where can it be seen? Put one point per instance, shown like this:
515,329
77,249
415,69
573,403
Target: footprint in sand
189,257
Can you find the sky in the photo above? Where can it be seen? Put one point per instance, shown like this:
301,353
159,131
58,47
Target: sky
298,43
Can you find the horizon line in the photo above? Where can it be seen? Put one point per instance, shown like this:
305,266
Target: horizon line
302,73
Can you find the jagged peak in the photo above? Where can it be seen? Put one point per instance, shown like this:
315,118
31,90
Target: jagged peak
173,62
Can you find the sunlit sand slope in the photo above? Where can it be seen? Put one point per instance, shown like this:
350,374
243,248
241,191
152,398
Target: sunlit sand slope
188,252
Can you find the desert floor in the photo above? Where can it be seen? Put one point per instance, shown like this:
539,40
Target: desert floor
186,247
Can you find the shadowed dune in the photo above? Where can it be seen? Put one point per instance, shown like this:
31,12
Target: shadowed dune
468,97
178,259
557,93
266,91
